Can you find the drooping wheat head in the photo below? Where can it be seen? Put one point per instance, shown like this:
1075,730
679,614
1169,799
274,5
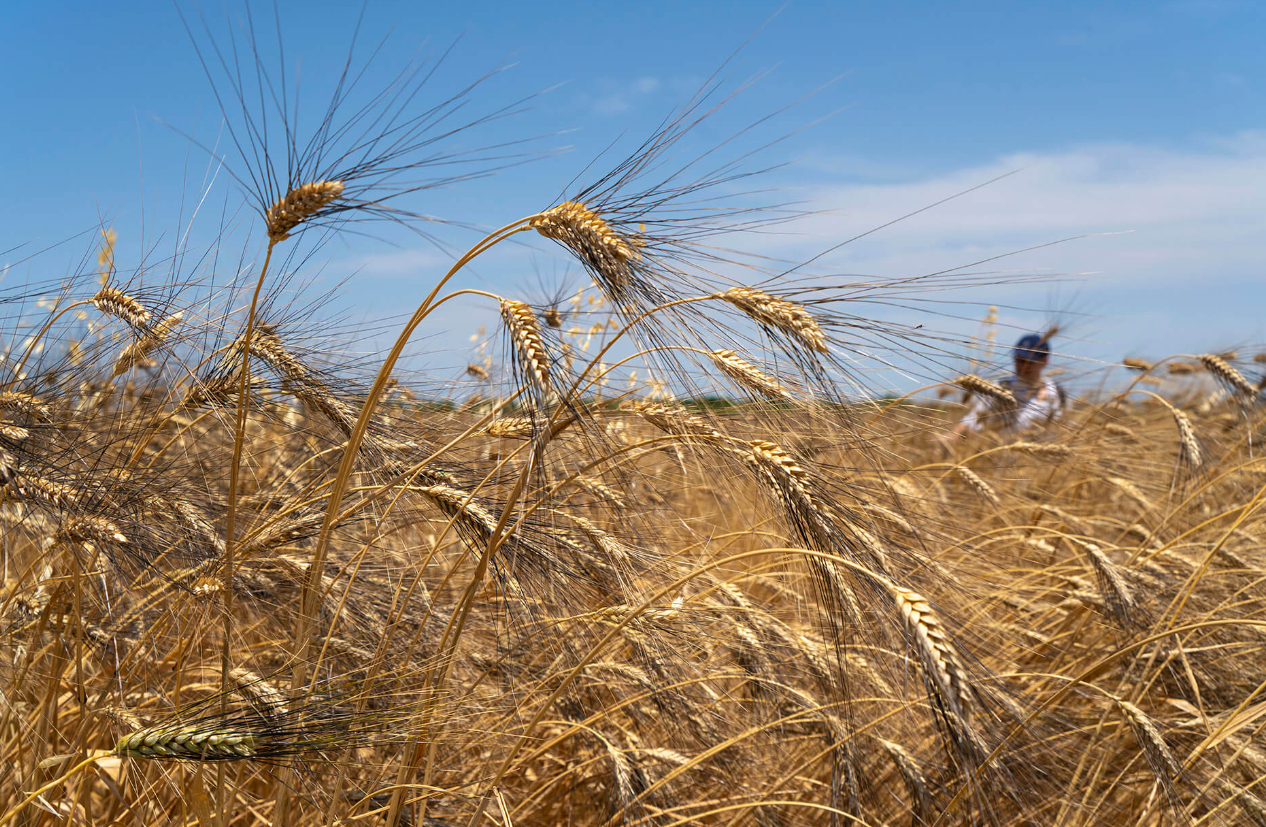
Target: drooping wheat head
787,317
298,205
525,333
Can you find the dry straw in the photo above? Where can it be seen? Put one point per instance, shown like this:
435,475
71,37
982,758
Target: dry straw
298,205
1136,364
791,319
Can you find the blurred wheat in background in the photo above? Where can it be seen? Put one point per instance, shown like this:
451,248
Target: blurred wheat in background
667,554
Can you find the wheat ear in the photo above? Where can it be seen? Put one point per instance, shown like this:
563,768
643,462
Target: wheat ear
940,660
26,405
982,387
1189,446
792,319
588,235
1117,595
526,334
510,427
115,302
749,376
1219,368
977,484
675,421
1041,449
189,742
138,352
1158,754
298,205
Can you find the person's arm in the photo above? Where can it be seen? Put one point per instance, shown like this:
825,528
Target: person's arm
1040,408
971,421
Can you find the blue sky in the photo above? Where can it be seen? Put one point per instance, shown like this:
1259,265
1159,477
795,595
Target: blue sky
1140,125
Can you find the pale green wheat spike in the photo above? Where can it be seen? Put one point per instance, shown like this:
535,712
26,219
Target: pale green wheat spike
186,742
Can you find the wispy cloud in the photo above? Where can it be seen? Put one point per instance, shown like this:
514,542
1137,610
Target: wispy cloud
400,263
1175,235
617,98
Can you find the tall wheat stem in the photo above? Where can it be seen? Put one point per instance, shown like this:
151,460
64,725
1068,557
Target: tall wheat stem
230,527
310,591
357,436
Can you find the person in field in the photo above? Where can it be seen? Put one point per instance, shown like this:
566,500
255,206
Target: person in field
1039,401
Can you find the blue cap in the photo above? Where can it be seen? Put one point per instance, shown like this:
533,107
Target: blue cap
1032,348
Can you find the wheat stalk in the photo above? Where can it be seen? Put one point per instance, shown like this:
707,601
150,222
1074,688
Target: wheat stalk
590,237
749,376
525,332
137,353
977,484
1219,368
982,387
791,319
1136,364
298,205
115,302
189,742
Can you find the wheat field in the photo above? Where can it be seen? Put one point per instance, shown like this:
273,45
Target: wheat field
667,553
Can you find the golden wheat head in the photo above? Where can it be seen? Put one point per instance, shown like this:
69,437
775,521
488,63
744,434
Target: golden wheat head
298,205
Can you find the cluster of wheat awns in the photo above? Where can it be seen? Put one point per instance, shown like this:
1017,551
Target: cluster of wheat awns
556,603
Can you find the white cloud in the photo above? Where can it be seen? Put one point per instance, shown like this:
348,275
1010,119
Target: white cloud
1177,242
616,98
401,263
